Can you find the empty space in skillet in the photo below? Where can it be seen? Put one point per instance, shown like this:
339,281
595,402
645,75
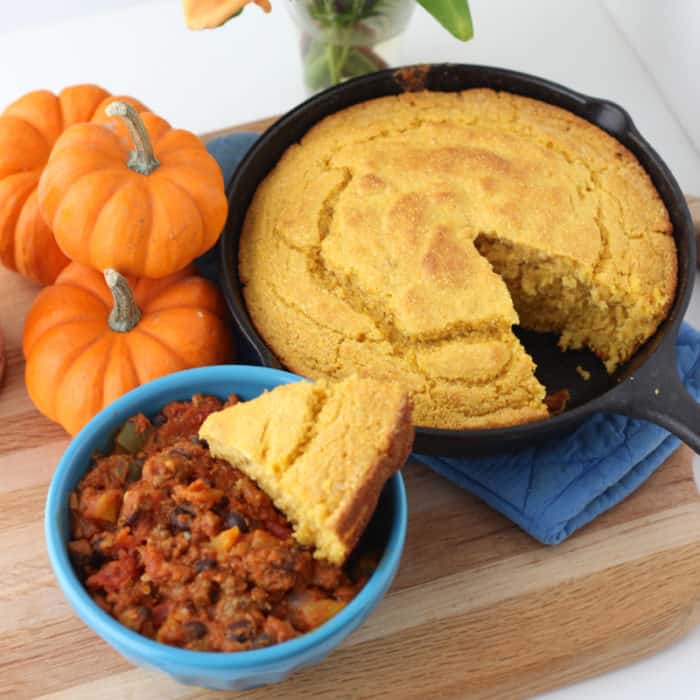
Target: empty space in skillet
558,370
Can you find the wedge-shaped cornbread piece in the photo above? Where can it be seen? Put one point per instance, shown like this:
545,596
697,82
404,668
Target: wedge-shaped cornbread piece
321,451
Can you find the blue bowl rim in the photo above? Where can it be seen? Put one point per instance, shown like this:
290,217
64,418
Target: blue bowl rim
160,654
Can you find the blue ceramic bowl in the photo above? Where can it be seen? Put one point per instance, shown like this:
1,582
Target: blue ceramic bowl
217,670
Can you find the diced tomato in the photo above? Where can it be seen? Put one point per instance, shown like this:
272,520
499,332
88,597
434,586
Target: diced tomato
115,575
279,630
278,530
154,563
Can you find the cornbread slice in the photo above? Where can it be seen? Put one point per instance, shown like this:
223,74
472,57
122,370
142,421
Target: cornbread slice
321,451
405,236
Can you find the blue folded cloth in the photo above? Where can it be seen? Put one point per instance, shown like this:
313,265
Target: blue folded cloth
551,489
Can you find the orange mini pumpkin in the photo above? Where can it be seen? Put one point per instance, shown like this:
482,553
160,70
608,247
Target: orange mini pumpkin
28,130
88,339
146,212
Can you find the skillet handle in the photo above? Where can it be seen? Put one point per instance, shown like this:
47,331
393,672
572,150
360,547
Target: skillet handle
656,393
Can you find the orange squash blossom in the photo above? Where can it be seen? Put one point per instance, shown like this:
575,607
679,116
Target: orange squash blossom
207,14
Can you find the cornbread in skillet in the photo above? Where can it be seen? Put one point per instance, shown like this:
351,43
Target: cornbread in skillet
321,451
405,236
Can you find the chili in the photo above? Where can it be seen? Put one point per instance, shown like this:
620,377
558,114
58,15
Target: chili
185,549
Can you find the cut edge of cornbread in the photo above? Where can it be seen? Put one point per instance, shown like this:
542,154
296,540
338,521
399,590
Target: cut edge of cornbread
552,295
321,452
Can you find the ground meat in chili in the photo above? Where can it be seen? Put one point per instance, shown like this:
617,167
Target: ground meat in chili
185,549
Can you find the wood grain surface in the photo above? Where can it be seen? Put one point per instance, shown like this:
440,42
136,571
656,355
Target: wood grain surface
3,361
478,609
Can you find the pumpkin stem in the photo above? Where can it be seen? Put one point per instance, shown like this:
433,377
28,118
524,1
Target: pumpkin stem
141,159
125,314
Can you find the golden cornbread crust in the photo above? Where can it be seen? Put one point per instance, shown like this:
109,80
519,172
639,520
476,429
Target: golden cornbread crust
321,451
405,236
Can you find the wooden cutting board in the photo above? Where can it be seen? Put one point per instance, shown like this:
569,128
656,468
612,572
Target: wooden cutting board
478,609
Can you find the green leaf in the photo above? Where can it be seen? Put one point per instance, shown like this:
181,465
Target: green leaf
454,15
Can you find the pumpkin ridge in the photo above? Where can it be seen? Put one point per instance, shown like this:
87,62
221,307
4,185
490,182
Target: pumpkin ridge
165,213
151,221
130,357
102,370
168,143
100,147
85,288
37,254
139,329
24,174
36,153
62,112
102,214
28,124
145,291
39,109
72,97
180,307
49,212
117,186
65,322
67,362
70,373
174,154
9,225
195,206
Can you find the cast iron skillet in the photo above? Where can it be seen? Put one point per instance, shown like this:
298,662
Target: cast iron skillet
647,387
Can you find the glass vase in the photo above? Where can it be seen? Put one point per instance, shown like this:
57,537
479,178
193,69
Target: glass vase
342,39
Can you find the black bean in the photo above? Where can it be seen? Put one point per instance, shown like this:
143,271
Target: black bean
221,507
235,519
158,420
204,564
214,592
194,629
241,630
97,559
133,518
186,507
180,453
196,441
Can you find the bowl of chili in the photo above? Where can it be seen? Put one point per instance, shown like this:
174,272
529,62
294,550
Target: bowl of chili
225,670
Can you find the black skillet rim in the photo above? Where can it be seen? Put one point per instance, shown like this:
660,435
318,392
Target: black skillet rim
604,113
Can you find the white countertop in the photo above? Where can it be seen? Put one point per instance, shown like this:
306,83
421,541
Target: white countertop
639,53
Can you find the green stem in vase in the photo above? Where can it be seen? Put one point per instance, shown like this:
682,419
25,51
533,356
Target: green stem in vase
330,57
